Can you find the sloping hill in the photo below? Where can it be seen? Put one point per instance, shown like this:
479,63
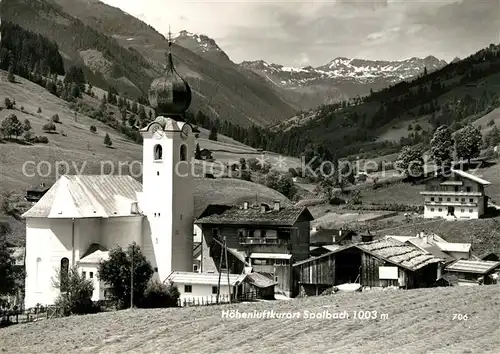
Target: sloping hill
120,50
417,321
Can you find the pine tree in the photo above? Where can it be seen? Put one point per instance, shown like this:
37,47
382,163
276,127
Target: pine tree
197,153
213,134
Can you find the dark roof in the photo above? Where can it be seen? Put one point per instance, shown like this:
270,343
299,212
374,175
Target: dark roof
491,255
196,249
324,236
286,216
93,248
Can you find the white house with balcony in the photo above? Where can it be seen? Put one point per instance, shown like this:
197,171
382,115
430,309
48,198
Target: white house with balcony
457,195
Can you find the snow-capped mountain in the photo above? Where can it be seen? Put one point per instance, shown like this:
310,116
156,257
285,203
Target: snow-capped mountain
309,87
201,45
360,70
342,78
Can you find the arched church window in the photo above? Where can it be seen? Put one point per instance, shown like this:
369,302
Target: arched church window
64,274
158,152
183,152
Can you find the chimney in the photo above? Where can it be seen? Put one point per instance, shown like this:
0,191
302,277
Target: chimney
276,205
245,205
134,208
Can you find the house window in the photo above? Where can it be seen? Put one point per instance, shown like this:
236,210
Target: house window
91,275
183,152
157,173
462,210
469,189
188,289
470,211
440,199
463,199
275,278
195,267
471,200
84,274
158,152
278,262
432,199
214,290
440,209
63,273
432,209
456,199
181,216
456,189
448,199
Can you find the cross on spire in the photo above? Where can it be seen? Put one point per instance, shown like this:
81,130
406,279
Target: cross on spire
169,37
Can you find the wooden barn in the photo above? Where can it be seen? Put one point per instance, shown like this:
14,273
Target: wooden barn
380,263
470,272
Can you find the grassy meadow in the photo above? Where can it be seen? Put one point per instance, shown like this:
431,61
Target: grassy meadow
406,321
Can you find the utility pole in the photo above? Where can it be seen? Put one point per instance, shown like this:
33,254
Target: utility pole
227,269
132,279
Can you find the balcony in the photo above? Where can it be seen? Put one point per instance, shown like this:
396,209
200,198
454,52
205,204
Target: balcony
262,241
452,193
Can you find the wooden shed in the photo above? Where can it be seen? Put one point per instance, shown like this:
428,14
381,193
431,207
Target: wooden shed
380,263
469,272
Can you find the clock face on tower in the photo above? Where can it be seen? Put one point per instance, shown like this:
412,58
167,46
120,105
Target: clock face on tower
185,131
157,131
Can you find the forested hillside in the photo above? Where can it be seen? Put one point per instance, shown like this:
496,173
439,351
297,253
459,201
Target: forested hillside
117,50
455,95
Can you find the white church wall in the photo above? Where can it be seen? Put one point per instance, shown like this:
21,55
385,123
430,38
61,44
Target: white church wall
121,231
48,241
88,231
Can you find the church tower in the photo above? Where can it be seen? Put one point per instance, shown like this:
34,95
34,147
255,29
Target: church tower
168,148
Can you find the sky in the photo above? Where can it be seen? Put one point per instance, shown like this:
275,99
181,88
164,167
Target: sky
301,33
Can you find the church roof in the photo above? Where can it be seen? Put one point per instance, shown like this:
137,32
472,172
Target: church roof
87,196
170,94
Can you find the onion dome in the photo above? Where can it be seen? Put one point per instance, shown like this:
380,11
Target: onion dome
170,94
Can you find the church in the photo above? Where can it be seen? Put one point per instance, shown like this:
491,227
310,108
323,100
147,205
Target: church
81,217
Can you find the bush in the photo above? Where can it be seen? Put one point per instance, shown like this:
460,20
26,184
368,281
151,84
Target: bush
159,295
246,175
491,123
28,136
76,292
49,127
8,103
39,110
107,140
93,129
55,118
22,109
41,139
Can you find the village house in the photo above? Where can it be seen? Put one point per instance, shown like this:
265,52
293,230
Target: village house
268,239
460,195
82,216
474,272
373,264
34,194
202,288
206,154
436,245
